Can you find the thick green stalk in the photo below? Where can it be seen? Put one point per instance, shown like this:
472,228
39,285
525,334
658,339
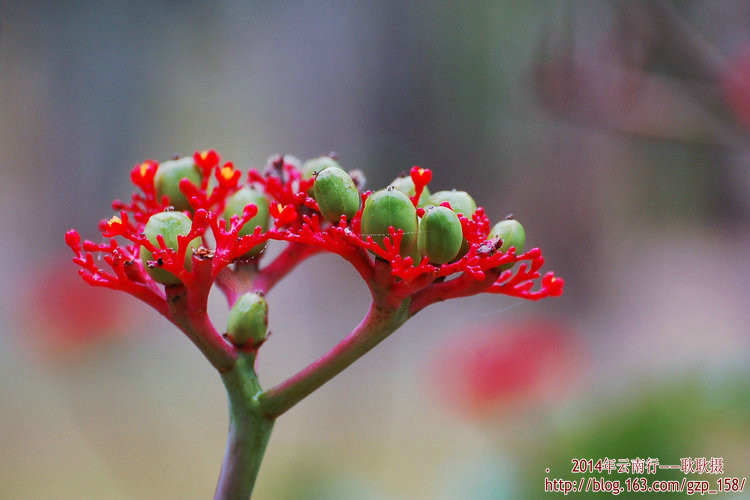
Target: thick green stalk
252,412
378,324
249,431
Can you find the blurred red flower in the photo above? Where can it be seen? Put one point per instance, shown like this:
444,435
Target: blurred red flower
735,84
65,316
505,368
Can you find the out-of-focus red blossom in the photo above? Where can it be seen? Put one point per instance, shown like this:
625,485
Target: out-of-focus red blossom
63,317
495,370
735,84
298,222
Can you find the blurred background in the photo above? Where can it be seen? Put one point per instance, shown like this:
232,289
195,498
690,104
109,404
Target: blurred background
618,132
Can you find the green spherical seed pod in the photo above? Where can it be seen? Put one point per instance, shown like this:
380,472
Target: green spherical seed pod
390,207
512,233
336,194
168,176
236,205
462,203
248,320
170,225
416,257
315,165
440,235
405,184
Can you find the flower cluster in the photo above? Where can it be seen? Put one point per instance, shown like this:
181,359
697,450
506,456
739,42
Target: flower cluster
221,256
193,224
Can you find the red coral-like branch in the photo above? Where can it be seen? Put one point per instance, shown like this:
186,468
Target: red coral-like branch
297,221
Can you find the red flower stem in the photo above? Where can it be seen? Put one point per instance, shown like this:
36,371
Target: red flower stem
362,263
287,260
403,290
193,320
249,431
374,328
246,277
230,282
152,296
461,286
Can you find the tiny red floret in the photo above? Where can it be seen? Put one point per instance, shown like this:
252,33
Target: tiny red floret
284,214
206,159
421,177
143,174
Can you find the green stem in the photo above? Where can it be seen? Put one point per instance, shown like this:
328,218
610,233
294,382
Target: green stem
252,412
249,431
378,324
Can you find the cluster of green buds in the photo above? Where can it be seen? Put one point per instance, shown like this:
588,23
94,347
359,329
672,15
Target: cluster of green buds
186,211
430,223
187,215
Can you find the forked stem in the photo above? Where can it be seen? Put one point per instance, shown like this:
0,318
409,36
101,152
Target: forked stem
249,431
378,324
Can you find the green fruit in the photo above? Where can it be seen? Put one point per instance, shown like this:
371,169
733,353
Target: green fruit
462,203
336,194
440,235
248,320
167,180
236,205
416,257
170,225
315,165
512,234
390,207
405,184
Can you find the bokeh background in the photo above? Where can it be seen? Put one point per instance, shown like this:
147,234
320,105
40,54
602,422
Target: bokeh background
617,132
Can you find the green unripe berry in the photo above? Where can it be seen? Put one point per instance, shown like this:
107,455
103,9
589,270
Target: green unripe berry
169,225
315,165
462,203
440,235
248,320
414,252
236,205
512,234
405,184
336,194
167,180
416,257
390,207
